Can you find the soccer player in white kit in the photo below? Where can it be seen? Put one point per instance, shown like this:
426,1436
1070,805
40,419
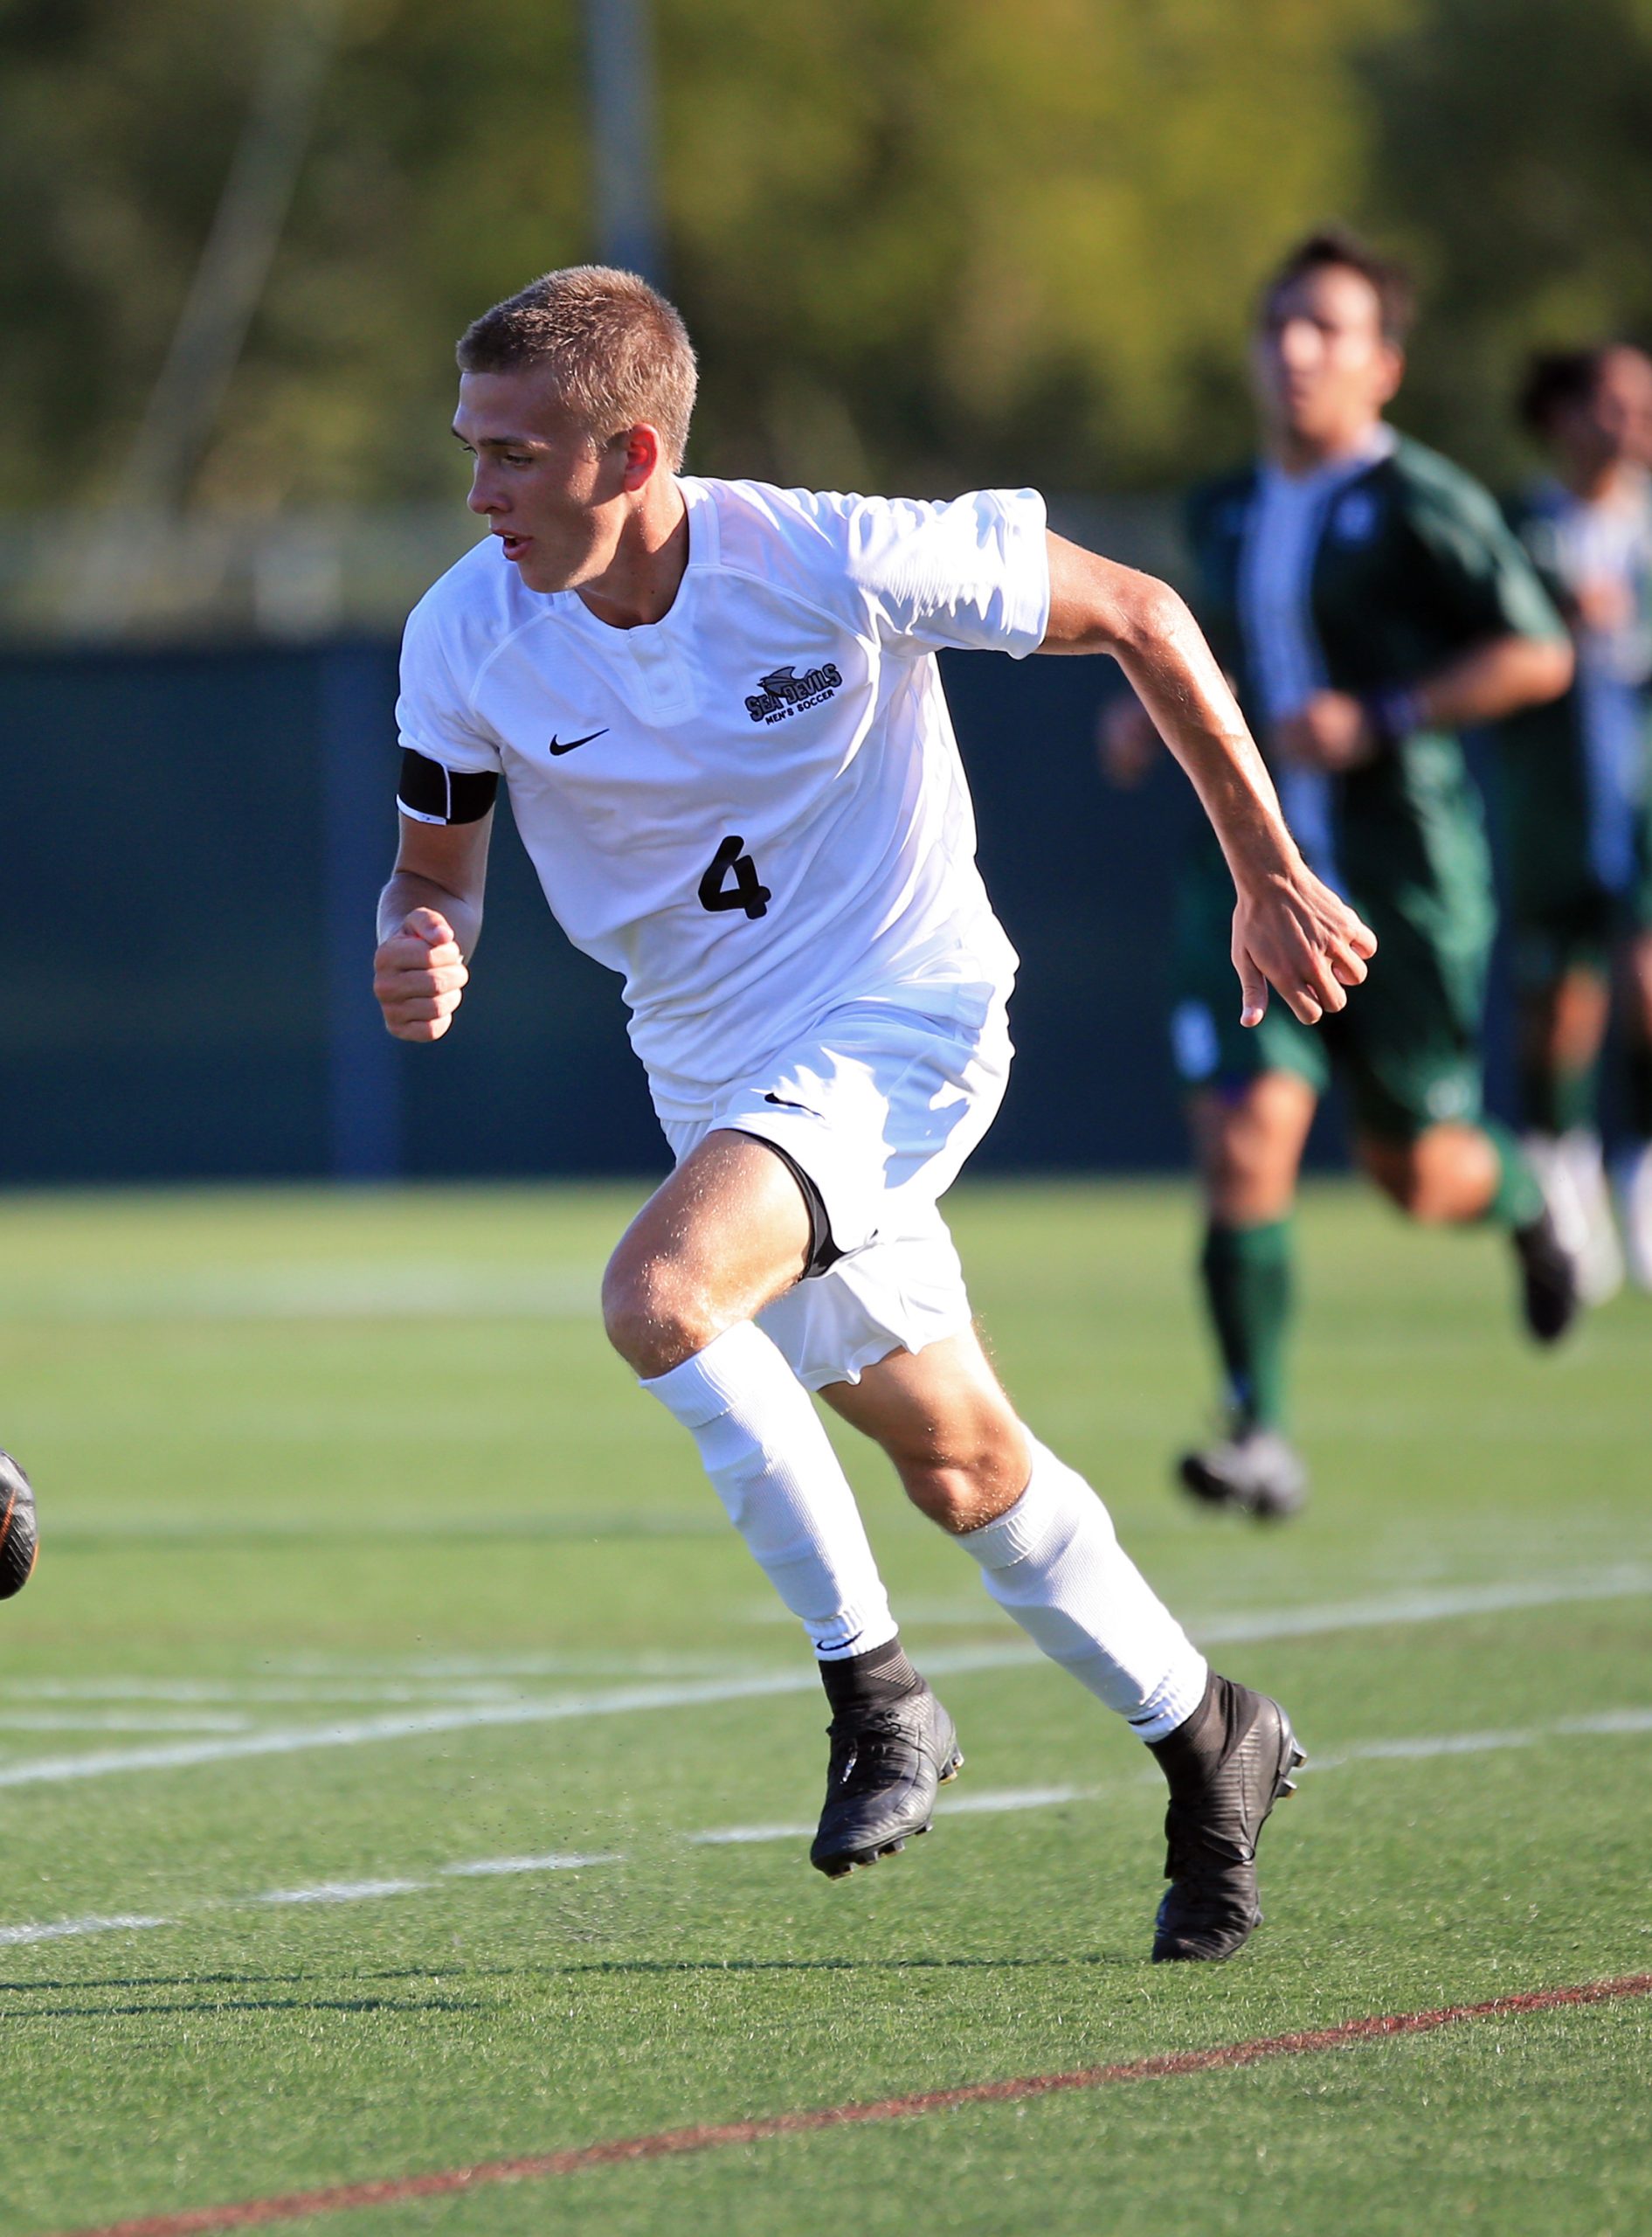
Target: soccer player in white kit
717,709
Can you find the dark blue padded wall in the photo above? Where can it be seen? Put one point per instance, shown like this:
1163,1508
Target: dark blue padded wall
196,839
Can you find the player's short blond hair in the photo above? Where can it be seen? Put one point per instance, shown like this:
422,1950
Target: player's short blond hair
616,351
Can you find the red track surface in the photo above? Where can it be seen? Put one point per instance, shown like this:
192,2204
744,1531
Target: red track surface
669,2143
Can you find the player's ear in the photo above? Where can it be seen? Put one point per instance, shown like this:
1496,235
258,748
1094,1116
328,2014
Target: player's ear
1392,372
644,455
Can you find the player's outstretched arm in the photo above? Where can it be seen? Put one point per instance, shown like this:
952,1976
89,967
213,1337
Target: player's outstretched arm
1289,930
429,916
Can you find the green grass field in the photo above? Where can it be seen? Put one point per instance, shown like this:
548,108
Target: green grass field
387,1654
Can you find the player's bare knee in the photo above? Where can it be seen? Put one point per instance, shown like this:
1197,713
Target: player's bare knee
654,1314
1413,1186
967,1483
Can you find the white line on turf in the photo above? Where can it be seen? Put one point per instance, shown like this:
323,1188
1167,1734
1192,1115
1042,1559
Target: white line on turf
1625,1582
491,1867
1607,1723
118,1721
341,1891
61,1930
256,1692
990,1802
323,1290
737,1836
1612,1723
54,1769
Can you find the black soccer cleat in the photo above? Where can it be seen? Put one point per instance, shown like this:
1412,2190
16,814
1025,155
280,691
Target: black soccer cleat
1218,1808
19,1538
1254,1472
1551,1278
886,1764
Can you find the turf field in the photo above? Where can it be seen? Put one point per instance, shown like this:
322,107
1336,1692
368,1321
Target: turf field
403,1770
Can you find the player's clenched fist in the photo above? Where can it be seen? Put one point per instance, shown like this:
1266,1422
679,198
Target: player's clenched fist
418,976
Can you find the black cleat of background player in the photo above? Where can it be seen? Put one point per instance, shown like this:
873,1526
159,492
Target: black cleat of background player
1253,1472
1551,1282
19,1539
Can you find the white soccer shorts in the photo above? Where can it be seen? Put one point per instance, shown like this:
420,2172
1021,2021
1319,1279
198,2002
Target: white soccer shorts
880,1106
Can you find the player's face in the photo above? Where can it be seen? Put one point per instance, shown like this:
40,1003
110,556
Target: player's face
1614,426
556,500
1323,369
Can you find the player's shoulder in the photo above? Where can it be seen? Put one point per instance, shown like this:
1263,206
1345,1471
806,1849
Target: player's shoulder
1429,486
844,552
761,526
466,612
757,521
794,545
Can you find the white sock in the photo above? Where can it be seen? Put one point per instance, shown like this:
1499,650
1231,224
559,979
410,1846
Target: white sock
1054,1561
764,1449
1634,1175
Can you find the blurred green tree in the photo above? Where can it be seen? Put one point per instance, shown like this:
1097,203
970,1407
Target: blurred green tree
917,243
1512,158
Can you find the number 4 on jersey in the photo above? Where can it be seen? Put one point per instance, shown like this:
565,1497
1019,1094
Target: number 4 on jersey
745,893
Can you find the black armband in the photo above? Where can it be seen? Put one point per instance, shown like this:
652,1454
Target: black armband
431,793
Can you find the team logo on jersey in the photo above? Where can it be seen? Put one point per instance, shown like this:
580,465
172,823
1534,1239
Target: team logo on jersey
1355,518
784,693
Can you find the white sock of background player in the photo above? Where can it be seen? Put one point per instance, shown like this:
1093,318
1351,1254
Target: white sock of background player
765,1450
1052,1560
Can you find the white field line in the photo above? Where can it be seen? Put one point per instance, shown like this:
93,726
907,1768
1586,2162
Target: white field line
1253,1627
55,1769
121,1721
326,1891
255,1693
1609,1724
990,1802
61,1930
1624,1581
1628,1581
321,1289
341,1891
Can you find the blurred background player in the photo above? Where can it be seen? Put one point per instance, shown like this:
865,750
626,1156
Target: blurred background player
1368,602
1578,777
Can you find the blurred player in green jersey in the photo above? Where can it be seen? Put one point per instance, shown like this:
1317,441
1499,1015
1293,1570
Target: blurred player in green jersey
1368,600
1578,777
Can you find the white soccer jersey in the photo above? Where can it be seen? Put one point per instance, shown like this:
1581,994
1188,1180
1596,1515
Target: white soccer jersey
753,808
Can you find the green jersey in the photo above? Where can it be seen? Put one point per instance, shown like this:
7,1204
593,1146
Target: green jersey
1402,562
1366,577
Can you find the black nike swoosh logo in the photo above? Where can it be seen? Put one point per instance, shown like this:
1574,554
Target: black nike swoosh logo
566,745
